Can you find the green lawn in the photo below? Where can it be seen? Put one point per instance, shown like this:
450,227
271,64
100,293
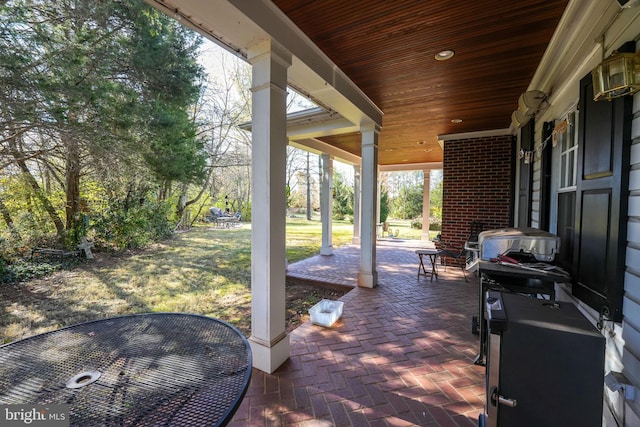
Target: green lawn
304,238
205,271
401,228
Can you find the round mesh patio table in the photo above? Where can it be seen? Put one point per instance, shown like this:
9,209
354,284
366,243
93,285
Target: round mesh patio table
161,369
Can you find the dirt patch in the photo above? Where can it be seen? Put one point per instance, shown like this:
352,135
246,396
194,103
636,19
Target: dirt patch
302,296
64,298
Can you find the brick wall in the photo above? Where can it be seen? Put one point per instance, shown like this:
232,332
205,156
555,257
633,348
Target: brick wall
476,186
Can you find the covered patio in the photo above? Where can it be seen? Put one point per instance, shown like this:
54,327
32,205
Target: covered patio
402,353
503,96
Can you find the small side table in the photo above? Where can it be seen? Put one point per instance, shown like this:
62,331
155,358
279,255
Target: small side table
433,255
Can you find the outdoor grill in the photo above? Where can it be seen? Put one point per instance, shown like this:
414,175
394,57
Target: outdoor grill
522,244
515,260
512,257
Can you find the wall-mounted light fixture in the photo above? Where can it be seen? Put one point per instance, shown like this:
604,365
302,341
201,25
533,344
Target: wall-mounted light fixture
616,76
627,4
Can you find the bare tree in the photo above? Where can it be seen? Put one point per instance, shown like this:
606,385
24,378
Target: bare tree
222,106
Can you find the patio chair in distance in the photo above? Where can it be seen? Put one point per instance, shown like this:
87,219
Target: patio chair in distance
464,257
385,229
460,257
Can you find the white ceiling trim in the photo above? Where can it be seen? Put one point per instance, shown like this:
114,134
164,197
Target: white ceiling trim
405,167
313,123
318,123
471,135
316,146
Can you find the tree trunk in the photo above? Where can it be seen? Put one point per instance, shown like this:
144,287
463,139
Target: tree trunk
6,215
72,174
37,191
182,201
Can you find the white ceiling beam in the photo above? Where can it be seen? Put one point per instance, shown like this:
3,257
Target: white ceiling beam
405,167
335,126
471,135
316,146
314,123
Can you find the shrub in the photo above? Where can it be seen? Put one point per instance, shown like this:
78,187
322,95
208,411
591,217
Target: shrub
23,269
435,224
133,227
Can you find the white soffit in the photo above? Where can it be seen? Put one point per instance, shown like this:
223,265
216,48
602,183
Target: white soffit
471,135
237,25
317,123
314,123
405,167
318,147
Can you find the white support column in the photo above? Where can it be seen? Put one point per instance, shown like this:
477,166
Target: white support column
378,195
368,276
356,205
269,340
326,205
426,208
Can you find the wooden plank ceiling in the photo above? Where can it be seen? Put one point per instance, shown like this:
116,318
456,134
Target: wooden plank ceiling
388,49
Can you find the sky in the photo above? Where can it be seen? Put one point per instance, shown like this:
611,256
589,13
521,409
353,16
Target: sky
214,58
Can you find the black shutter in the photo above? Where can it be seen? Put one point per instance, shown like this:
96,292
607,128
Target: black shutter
604,137
545,176
526,175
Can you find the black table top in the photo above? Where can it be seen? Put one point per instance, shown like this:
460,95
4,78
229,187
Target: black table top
147,369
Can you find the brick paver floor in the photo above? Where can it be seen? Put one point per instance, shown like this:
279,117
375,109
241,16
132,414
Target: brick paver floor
401,355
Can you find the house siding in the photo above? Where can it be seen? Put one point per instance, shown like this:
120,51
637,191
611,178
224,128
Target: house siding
535,191
631,307
622,339
592,30
595,30
477,175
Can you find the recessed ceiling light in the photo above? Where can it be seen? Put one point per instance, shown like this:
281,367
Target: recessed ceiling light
456,121
444,55
420,142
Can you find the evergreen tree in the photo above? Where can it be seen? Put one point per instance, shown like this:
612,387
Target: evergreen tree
95,88
342,197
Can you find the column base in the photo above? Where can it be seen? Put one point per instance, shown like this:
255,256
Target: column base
425,236
326,250
368,280
355,240
268,359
